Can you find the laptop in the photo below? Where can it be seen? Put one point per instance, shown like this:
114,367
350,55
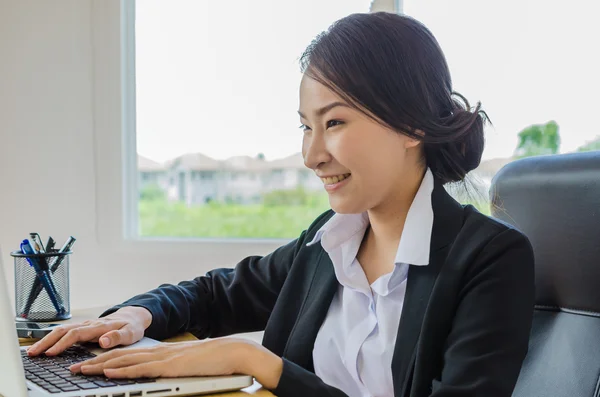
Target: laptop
22,376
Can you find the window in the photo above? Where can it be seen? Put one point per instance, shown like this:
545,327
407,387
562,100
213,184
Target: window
532,63
216,90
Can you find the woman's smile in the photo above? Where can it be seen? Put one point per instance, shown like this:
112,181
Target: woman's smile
333,183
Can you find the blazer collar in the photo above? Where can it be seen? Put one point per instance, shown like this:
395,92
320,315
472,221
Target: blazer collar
448,219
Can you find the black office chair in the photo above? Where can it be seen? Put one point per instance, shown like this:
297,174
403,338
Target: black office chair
555,201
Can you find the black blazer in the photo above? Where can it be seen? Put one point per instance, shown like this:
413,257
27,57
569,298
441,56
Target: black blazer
464,327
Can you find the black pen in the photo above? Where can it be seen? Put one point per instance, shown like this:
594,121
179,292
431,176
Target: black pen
65,248
50,244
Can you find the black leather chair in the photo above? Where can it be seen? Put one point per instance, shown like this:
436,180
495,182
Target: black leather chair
555,201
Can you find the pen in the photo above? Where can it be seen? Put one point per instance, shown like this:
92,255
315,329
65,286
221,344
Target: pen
42,274
37,287
65,248
50,244
37,241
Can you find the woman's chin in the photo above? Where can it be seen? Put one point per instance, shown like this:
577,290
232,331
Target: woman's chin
344,206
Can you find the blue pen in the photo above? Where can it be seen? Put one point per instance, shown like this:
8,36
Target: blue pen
42,274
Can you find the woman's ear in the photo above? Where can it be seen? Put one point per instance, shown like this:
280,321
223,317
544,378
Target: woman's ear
411,142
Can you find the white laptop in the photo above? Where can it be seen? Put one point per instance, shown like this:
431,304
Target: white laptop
39,378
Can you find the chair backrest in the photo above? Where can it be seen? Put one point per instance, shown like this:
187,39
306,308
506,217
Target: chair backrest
555,201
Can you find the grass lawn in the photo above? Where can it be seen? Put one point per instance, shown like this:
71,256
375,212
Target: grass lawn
159,218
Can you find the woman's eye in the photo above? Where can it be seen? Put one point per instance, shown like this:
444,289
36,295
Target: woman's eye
304,127
333,123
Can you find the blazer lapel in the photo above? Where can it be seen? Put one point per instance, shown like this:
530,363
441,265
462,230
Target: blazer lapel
421,279
312,314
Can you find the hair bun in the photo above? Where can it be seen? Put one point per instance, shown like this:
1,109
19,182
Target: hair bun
473,143
461,153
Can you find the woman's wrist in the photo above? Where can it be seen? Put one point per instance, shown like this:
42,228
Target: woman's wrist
143,315
259,362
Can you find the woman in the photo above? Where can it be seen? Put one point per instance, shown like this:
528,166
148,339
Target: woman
398,291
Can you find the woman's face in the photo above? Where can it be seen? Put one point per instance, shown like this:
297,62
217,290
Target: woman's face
361,163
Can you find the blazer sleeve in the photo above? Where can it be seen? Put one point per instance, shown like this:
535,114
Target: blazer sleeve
224,301
490,332
297,381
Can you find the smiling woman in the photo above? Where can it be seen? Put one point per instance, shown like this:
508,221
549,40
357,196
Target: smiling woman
398,290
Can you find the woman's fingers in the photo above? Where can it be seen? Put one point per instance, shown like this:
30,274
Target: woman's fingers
123,336
104,357
152,369
49,340
80,334
122,361
123,327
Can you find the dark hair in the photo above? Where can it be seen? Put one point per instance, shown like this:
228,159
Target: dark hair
391,66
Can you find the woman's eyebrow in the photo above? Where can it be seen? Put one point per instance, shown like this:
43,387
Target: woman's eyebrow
320,112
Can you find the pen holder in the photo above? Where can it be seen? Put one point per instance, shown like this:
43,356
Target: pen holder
33,301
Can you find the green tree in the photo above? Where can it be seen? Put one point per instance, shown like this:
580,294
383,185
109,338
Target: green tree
590,146
538,139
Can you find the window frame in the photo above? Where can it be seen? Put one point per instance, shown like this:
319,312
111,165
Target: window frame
116,174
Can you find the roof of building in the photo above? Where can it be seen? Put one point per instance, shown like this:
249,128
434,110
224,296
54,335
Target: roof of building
147,165
295,161
195,162
201,162
243,163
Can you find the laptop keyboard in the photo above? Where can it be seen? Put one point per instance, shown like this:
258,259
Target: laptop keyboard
53,375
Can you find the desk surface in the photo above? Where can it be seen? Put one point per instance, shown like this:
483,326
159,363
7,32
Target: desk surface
82,315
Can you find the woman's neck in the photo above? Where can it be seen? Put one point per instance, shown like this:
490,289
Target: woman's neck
387,219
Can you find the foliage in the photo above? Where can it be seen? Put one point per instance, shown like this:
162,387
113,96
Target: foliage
538,139
159,218
165,219
295,197
590,146
152,193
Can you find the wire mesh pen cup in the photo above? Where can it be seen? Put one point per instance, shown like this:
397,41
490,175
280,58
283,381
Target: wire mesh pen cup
33,302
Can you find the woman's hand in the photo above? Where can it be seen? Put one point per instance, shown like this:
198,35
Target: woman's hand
123,327
223,356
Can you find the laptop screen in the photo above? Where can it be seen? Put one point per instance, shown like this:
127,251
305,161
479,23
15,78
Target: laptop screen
12,376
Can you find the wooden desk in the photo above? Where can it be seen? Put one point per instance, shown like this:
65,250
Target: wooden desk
82,315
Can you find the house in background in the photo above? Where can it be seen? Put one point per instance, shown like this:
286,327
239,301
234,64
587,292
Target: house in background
241,179
151,173
197,179
193,179
290,173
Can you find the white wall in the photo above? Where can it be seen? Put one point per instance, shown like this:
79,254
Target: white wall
52,121
46,145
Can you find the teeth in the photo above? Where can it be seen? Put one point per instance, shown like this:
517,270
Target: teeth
334,179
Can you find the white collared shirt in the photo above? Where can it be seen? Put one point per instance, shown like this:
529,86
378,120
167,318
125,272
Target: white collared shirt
355,344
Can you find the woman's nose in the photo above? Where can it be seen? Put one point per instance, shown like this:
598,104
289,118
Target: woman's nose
315,151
